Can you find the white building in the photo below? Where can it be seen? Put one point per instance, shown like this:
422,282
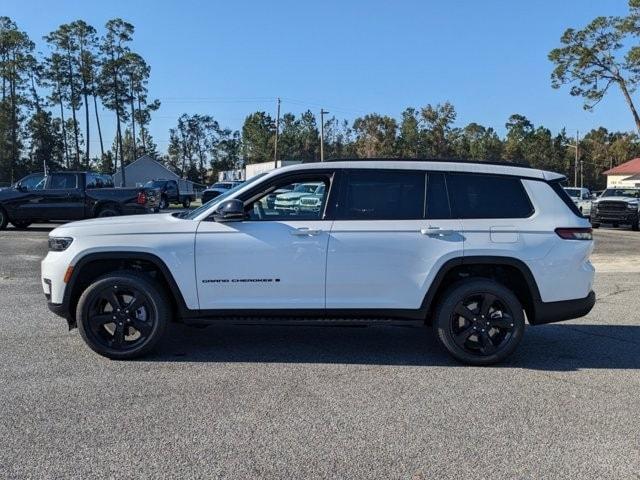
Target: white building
253,169
624,175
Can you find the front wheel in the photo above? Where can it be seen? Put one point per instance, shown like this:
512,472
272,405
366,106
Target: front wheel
635,226
122,315
3,219
479,321
186,203
595,225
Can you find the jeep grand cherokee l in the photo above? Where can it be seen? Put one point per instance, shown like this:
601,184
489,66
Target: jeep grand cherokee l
472,249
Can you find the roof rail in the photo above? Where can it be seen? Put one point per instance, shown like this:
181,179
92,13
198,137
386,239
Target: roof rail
442,160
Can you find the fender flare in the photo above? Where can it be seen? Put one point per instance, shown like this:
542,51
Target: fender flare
482,260
124,255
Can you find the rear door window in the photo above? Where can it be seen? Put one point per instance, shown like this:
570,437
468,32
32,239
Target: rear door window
382,195
437,199
63,181
487,196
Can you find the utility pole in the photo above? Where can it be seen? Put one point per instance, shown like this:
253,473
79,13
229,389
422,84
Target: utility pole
275,145
322,113
575,179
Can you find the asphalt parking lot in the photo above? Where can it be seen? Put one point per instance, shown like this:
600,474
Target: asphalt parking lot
277,402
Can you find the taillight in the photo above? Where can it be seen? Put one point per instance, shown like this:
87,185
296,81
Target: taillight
575,233
142,198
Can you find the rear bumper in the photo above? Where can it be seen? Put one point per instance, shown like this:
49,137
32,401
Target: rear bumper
550,312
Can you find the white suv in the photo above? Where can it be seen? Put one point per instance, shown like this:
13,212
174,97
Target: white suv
472,249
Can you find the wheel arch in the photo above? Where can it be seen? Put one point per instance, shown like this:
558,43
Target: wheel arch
93,265
509,271
101,204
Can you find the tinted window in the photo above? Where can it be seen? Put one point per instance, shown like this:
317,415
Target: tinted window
295,200
437,198
33,182
107,181
382,195
487,196
94,180
62,181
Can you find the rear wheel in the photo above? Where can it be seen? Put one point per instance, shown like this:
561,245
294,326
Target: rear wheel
21,224
635,226
163,203
479,322
108,212
3,219
122,315
186,203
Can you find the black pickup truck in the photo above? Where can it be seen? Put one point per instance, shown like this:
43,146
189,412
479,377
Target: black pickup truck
172,191
70,196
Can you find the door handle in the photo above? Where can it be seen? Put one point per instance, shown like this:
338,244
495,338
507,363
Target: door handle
305,232
432,231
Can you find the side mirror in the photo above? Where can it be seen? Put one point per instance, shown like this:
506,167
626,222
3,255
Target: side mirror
230,211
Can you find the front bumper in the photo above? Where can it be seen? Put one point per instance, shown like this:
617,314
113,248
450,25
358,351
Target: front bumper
598,216
551,312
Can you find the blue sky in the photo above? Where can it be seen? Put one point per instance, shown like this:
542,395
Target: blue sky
230,58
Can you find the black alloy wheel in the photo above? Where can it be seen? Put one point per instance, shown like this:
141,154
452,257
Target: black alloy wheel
122,315
481,324
479,321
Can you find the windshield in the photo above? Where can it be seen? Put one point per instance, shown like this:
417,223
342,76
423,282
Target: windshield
573,192
193,214
622,192
306,187
154,184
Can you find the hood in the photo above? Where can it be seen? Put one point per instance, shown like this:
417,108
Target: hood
292,195
127,225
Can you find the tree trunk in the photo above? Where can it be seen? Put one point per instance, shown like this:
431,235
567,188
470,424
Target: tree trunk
73,110
95,108
86,114
14,126
133,124
142,132
627,97
123,181
64,129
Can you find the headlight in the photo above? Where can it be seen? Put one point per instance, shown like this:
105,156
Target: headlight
632,206
59,244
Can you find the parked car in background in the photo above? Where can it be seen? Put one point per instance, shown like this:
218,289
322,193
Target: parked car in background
70,196
170,193
473,250
582,197
313,203
617,206
218,189
291,200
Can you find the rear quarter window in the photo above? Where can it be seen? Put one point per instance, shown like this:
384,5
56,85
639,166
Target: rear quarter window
487,196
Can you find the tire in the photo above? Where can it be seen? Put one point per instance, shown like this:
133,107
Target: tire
108,212
144,327
21,224
163,203
3,219
186,203
615,225
595,225
635,226
471,338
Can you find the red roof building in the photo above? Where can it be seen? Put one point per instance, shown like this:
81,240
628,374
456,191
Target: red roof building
632,167
624,175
